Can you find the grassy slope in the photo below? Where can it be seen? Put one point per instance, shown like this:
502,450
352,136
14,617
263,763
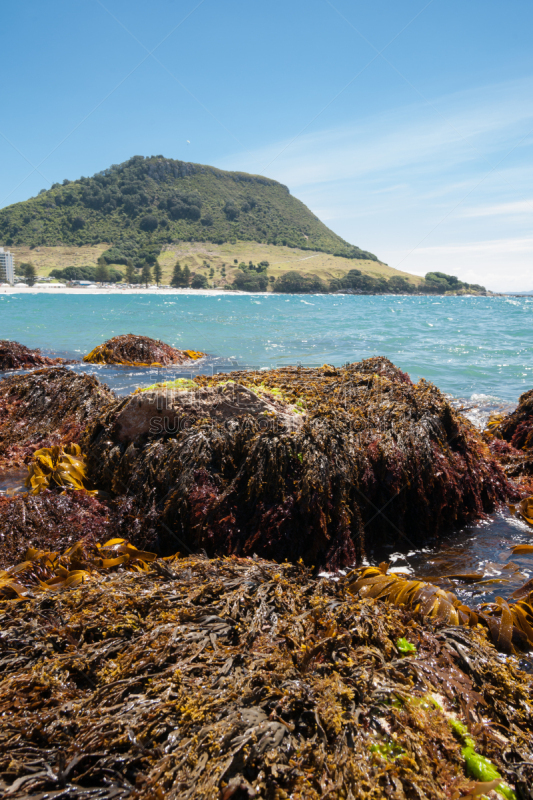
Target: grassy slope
281,259
186,202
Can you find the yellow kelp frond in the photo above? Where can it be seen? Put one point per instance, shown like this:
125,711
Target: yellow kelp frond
57,466
44,572
509,625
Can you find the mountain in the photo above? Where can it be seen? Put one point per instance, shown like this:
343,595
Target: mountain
142,205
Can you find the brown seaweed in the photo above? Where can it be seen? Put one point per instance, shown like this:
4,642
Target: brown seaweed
511,440
44,408
55,522
240,678
17,356
139,351
345,461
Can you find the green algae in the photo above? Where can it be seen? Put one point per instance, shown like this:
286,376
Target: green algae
478,766
390,751
179,385
405,647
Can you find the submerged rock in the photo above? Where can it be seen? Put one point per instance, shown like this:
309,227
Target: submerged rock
320,464
46,407
17,356
139,351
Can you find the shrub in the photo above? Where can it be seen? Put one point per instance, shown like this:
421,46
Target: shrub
250,283
199,282
296,283
149,223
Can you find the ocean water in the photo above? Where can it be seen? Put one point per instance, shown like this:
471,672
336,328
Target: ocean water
478,350
473,348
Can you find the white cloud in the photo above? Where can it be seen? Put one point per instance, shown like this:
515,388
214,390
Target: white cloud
518,207
447,181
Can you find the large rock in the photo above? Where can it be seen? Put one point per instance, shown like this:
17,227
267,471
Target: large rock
140,351
369,460
17,356
167,410
511,440
46,407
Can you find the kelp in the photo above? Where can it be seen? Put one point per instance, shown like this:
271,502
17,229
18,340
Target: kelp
524,509
44,571
17,356
509,625
44,408
240,678
57,466
139,351
324,465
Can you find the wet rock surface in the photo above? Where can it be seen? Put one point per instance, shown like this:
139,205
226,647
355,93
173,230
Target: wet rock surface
373,459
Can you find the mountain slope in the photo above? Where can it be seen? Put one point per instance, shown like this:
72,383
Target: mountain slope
145,203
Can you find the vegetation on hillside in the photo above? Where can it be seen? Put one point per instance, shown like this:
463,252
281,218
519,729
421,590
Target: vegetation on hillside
355,282
145,203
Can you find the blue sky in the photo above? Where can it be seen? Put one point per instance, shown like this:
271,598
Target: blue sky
406,126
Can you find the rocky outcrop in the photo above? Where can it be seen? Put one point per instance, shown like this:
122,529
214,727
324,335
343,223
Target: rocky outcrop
17,356
46,407
140,351
368,460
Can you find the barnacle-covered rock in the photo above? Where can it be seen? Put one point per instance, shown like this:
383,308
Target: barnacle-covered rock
17,356
139,351
44,408
369,459
168,408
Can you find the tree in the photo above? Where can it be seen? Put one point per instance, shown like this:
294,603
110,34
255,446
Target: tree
30,273
78,223
130,272
250,283
149,223
186,275
146,275
295,283
158,272
177,276
400,285
199,282
102,272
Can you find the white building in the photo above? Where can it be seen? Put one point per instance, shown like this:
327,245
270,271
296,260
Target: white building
7,267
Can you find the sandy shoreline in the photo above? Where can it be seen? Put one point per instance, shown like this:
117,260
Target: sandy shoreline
113,290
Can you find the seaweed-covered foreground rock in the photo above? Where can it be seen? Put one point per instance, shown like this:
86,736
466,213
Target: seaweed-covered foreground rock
51,521
139,351
370,460
46,407
240,678
17,356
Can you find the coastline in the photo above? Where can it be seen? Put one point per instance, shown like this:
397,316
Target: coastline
154,290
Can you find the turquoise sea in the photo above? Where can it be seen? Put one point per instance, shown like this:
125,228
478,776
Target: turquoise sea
468,346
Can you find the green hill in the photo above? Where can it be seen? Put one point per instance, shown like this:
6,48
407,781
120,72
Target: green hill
144,204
